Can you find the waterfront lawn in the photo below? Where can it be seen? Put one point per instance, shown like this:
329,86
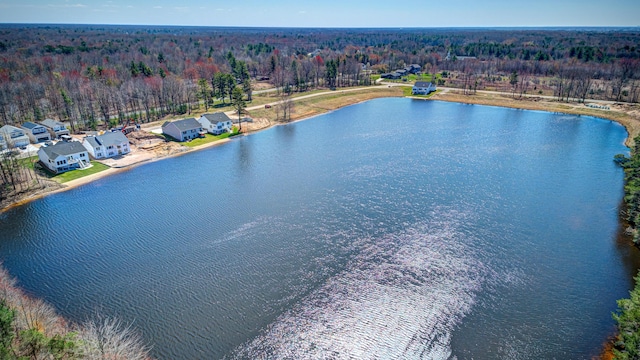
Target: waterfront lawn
77,174
208,138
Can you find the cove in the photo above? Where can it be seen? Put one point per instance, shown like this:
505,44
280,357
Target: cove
388,229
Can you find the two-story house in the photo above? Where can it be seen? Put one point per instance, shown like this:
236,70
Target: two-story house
182,130
423,88
107,145
14,137
216,123
64,156
55,128
36,132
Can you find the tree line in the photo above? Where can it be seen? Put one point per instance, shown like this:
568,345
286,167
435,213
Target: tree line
92,75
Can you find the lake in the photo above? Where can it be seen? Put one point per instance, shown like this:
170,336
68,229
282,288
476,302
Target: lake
391,229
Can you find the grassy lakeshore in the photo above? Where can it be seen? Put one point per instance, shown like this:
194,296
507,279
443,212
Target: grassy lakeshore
308,105
627,115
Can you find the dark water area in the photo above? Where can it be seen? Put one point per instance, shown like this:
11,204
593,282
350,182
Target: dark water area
388,229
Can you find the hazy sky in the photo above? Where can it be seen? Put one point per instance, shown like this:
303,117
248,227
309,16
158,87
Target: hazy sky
326,13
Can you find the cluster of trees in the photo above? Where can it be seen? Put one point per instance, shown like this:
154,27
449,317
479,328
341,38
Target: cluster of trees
17,175
631,166
30,329
88,74
627,345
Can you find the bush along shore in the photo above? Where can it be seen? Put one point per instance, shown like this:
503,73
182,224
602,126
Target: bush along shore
31,329
627,342
631,166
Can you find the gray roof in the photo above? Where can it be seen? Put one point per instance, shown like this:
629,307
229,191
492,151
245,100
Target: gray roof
422,84
185,124
217,117
92,141
10,128
113,138
63,148
50,123
29,125
110,138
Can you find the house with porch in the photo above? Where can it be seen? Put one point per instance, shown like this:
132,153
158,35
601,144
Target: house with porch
182,130
423,88
107,145
14,136
36,132
55,128
64,156
216,123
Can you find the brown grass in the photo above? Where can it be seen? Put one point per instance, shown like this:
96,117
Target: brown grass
322,104
627,115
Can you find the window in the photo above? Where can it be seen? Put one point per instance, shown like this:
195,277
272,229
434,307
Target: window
81,154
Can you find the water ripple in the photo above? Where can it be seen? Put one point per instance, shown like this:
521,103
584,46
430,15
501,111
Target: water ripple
400,297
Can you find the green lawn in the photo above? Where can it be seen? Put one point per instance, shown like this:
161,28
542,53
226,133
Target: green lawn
208,138
76,174
28,162
412,78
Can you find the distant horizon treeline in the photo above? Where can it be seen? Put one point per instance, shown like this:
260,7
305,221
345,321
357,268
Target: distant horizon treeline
85,74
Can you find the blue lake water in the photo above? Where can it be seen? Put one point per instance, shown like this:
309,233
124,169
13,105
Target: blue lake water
392,229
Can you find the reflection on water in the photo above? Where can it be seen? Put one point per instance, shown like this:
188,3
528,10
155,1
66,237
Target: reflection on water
388,229
399,297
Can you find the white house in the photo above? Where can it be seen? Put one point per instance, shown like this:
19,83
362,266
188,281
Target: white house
107,145
182,130
14,137
64,156
216,123
56,128
423,88
36,133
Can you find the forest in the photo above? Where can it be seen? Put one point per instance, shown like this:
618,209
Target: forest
99,75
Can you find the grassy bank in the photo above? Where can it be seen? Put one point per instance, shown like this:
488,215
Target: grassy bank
208,138
80,173
309,107
627,115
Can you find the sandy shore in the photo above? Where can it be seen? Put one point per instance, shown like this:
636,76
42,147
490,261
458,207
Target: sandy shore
626,114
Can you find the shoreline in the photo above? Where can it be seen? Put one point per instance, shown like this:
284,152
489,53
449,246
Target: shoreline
629,118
